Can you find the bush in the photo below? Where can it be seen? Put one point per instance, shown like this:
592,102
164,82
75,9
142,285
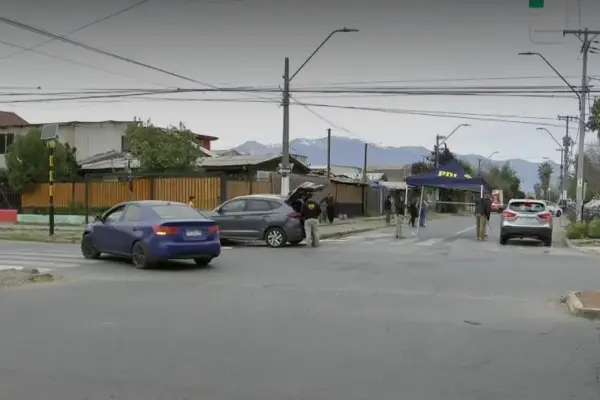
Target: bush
578,230
594,229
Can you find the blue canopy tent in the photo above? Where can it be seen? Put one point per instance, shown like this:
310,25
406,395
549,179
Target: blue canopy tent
449,176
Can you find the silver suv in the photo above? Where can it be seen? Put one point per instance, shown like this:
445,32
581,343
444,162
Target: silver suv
524,218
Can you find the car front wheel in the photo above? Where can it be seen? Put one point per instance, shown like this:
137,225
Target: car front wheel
275,237
88,249
558,213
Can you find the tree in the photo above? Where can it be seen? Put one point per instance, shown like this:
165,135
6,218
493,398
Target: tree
593,123
27,161
505,178
159,150
545,171
537,188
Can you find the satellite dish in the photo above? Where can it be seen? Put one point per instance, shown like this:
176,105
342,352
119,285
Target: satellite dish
50,132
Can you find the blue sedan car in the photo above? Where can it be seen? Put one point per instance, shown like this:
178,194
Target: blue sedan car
152,231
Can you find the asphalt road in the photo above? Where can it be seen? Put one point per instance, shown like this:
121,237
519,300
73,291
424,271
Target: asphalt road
438,316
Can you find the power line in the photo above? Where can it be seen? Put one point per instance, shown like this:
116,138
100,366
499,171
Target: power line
322,118
504,78
42,32
124,10
77,63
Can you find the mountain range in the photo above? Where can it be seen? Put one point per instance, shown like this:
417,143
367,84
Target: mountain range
350,152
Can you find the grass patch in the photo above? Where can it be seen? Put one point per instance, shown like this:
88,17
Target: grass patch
41,237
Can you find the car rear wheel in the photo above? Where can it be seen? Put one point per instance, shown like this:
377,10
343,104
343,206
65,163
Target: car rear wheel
88,249
275,237
139,256
203,261
547,242
558,213
503,240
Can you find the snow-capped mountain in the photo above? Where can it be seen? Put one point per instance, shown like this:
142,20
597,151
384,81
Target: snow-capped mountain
348,151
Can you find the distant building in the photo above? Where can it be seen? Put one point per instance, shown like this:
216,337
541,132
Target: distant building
91,139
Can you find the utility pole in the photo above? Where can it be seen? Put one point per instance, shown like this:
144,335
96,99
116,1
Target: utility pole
566,144
285,168
436,149
328,153
584,36
365,181
479,167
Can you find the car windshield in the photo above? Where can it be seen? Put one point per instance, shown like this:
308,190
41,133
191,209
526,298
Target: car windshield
527,206
176,211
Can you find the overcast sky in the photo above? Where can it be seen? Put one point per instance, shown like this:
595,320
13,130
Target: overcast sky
244,42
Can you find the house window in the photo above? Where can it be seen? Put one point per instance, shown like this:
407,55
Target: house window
6,139
125,145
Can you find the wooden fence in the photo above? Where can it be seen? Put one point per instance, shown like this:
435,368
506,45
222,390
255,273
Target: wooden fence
209,192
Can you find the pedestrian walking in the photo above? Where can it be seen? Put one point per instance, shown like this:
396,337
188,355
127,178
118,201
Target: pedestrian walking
414,213
191,200
423,216
310,213
387,209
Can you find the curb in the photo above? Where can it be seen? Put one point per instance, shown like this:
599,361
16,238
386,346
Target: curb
335,235
576,307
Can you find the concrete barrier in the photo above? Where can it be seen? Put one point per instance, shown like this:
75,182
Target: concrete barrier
43,219
8,215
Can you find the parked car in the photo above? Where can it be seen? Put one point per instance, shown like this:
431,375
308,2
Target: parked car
272,218
554,208
152,231
525,218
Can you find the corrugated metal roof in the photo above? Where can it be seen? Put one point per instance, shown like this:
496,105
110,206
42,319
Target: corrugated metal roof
232,161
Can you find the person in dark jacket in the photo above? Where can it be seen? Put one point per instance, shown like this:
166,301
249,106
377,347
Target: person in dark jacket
311,210
387,209
481,211
413,210
488,206
330,208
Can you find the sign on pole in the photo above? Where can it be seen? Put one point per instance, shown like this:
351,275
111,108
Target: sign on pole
536,3
50,132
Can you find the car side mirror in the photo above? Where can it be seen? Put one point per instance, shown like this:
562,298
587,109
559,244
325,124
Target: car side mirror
98,218
219,210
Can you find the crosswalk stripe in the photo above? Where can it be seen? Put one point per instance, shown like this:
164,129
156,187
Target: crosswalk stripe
20,268
429,242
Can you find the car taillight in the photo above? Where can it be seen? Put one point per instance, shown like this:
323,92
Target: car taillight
165,230
294,215
546,216
213,229
509,215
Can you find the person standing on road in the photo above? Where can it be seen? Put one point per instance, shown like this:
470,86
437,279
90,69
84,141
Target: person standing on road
488,200
387,209
414,213
330,208
310,213
481,207
191,201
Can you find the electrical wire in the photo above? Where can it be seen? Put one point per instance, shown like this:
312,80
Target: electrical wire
68,60
326,120
107,17
42,32
503,78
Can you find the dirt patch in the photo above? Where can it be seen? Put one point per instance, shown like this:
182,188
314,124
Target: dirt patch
14,277
589,299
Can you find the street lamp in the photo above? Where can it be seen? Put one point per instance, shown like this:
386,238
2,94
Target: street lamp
285,167
487,158
443,141
562,159
581,97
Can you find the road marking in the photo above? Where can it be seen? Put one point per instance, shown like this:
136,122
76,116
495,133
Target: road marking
429,242
20,268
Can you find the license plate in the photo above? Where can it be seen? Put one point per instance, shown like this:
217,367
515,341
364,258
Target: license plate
194,233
